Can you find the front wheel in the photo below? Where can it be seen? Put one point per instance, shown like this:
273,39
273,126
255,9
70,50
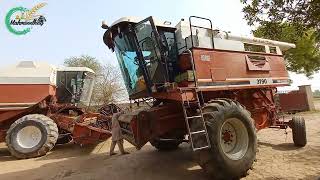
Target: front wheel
299,134
31,136
233,140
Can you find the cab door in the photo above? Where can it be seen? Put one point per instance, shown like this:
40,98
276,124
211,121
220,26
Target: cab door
149,52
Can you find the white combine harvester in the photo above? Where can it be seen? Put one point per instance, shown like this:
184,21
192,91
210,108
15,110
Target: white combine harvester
39,108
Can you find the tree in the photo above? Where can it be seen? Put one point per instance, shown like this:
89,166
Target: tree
109,87
316,93
108,84
305,58
294,21
304,13
84,61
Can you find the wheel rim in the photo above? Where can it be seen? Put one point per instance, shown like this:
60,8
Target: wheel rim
234,139
29,136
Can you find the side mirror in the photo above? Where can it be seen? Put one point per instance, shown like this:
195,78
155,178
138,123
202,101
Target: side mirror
104,25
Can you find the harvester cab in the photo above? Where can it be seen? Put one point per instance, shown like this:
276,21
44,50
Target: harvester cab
147,54
75,85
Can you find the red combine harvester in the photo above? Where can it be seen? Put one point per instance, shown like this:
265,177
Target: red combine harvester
39,108
213,88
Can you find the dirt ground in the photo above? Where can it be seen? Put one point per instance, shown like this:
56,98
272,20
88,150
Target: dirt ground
277,159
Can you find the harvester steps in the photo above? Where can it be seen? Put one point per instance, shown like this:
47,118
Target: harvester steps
197,132
202,132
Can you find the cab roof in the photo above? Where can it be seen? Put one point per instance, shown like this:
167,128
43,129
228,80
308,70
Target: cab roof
33,72
85,69
134,19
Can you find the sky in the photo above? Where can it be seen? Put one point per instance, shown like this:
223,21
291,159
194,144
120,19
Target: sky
73,27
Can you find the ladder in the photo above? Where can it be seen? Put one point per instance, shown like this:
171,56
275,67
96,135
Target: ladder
200,133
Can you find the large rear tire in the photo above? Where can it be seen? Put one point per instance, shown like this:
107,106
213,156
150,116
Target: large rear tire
299,134
232,137
31,136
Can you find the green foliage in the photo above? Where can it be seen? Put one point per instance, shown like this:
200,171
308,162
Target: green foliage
303,12
305,58
316,93
84,61
294,21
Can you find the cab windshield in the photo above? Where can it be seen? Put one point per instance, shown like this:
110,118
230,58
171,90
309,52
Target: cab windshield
128,60
85,91
74,86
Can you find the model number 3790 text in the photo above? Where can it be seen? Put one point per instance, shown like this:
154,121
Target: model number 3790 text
262,81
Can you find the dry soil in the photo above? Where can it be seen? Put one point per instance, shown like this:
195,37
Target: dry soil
277,159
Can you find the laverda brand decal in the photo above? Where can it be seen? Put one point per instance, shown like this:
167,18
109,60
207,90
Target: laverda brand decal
204,57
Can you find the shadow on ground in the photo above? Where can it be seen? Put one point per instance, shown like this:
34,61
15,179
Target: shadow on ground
145,164
58,152
280,147
5,155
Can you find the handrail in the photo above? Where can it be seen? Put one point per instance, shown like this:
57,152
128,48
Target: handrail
190,23
193,68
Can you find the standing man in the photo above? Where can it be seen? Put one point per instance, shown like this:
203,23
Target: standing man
116,133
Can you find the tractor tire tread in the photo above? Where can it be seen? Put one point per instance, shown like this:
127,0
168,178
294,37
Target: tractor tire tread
211,163
299,131
52,136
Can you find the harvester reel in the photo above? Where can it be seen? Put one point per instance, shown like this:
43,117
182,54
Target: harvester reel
31,136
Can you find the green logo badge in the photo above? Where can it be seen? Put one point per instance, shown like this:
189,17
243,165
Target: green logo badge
19,20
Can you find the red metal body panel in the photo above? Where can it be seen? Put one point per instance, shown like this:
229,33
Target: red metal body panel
233,65
138,128
84,134
8,114
293,102
25,93
22,98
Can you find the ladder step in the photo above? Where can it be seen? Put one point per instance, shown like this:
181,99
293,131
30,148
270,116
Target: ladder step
197,132
191,117
199,148
194,103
